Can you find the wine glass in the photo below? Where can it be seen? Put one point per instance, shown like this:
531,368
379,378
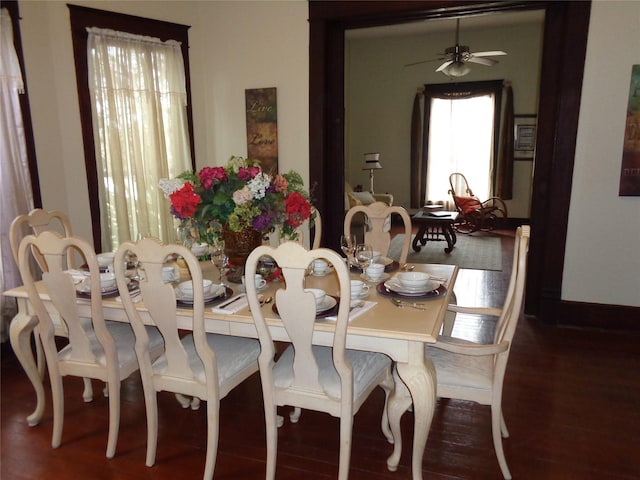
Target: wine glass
348,245
363,255
218,257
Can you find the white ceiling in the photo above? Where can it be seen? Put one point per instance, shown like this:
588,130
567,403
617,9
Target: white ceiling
482,21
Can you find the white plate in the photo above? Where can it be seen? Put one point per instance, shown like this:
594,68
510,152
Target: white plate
381,278
210,296
327,304
85,287
395,286
241,288
362,296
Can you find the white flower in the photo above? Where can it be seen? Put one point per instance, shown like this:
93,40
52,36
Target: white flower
258,185
170,185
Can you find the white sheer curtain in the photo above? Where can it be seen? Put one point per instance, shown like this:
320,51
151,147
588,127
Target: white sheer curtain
17,197
460,140
138,95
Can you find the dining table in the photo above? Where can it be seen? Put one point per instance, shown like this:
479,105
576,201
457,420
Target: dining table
399,331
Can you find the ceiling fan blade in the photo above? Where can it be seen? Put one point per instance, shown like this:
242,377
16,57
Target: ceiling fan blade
493,53
489,62
444,65
422,61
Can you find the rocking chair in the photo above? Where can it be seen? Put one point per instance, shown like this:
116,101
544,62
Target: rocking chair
474,214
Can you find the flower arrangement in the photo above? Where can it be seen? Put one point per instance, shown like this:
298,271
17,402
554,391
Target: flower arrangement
239,195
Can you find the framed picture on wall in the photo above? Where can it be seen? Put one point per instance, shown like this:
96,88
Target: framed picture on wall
524,140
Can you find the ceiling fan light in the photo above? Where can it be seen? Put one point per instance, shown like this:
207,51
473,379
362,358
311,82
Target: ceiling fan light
457,69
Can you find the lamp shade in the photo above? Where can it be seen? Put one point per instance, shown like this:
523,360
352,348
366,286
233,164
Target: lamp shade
371,161
457,69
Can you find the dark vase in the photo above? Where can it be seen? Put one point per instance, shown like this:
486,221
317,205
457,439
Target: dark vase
238,246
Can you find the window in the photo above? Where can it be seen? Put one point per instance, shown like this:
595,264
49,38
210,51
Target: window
133,85
461,121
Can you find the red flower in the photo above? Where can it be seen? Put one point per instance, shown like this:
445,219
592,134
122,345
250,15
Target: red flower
184,201
298,209
209,174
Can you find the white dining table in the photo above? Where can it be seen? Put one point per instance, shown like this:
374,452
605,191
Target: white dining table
400,333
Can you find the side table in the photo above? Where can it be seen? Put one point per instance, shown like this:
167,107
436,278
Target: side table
434,226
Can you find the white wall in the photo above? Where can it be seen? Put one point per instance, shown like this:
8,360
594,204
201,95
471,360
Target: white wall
233,46
238,45
380,93
602,262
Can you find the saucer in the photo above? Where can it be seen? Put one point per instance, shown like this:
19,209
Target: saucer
328,271
188,299
327,304
381,278
242,288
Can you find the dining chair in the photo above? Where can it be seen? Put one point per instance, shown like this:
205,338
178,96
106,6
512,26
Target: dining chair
97,348
375,235
35,222
203,365
475,372
310,232
331,379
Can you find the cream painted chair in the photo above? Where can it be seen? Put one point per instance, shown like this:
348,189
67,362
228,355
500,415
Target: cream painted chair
306,228
96,349
475,372
35,222
202,365
379,238
327,379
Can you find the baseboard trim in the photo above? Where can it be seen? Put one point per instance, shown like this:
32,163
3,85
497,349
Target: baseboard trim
591,315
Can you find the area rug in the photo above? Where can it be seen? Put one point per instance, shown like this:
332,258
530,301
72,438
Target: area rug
483,252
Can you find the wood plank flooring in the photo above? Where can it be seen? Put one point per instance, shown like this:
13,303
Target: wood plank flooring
571,403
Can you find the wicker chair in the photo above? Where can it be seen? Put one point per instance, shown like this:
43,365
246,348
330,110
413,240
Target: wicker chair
474,214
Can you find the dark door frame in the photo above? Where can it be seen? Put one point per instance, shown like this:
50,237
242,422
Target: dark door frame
564,48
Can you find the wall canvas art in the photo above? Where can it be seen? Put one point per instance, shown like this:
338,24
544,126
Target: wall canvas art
630,172
262,127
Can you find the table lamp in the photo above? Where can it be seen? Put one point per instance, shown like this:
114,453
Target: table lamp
371,163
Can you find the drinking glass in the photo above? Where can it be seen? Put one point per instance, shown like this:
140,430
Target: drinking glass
363,255
219,258
348,245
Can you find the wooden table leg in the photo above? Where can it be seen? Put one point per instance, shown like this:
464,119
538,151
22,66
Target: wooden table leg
20,331
417,387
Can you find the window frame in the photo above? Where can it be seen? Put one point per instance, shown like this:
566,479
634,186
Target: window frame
83,17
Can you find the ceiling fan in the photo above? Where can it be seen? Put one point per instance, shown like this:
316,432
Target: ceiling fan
456,58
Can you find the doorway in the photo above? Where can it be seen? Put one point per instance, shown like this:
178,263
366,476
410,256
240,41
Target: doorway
564,47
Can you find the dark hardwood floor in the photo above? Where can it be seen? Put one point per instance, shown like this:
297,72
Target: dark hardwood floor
571,403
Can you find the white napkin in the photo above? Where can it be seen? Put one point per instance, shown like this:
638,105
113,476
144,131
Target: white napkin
356,312
229,308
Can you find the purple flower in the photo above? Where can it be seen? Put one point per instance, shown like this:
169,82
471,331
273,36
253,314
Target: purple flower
263,221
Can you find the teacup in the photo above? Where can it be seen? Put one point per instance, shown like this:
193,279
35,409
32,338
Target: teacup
320,266
107,280
358,288
375,271
259,281
186,288
318,293
105,260
170,273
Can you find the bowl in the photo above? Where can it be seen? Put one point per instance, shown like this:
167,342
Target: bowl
105,259
199,249
186,288
107,280
414,279
318,293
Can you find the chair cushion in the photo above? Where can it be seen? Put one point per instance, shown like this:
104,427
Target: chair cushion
366,367
458,370
233,354
365,198
468,204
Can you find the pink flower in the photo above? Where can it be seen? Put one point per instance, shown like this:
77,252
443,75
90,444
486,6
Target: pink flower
209,174
242,196
280,184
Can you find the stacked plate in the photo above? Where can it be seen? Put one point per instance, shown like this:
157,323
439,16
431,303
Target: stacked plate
83,289
216,292
406,287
